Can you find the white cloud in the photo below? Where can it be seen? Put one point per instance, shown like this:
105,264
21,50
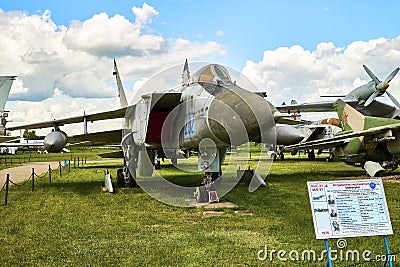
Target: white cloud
76,60
296,73
219,33
145,14
115,36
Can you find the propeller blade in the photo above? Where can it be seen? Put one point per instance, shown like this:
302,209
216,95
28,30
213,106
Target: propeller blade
391,75
394,100
371,98
372,75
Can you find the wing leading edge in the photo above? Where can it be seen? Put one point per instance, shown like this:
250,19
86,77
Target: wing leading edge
106,115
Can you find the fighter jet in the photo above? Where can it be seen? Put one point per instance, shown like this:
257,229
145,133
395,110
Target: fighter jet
370,142
208,113
362,98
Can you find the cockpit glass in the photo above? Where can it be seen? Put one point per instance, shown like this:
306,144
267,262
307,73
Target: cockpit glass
221,73
211,74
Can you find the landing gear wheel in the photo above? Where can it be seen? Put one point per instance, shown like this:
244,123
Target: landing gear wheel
201,194
215,176
120,178
157,165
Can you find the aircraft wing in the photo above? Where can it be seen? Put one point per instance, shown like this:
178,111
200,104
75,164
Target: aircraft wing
106,115
7,138
344,138
100,138
21,144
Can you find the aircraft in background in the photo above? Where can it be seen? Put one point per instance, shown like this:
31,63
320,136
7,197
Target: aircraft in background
304,132
11,147
5,87
371,142
362,98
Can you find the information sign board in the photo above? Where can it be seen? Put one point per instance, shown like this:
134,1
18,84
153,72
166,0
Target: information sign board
349,208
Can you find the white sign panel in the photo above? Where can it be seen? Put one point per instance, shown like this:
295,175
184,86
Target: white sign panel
349,208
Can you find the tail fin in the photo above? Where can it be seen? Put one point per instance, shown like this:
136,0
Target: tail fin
351,119
121,92
5,87
186,74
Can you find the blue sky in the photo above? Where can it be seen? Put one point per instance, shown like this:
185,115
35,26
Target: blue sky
249,27
62,51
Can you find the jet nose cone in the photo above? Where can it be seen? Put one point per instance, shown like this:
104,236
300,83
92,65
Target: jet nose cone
55,141
237,116
287,135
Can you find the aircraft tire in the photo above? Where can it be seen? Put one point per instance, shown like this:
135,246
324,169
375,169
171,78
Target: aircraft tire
215,176
120,178
157,165
201,194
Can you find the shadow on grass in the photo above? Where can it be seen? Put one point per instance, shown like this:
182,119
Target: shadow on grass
79,187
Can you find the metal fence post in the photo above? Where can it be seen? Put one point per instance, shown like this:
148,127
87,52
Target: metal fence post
78,161
7,182
33,179
59,165
69,165
50,172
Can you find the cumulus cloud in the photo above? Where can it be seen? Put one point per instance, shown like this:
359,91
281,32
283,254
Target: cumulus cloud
219,33
296,73
145,14
76,60
115,36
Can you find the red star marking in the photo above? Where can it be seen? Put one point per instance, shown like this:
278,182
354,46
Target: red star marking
345,117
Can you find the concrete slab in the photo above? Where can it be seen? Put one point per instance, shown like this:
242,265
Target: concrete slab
221,204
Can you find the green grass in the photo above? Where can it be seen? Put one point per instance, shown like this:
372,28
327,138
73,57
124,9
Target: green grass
71,222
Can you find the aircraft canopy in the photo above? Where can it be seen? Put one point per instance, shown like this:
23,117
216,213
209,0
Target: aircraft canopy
212,73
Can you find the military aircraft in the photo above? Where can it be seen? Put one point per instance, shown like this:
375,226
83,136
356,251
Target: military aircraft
208,112
372,142
362,98
5,87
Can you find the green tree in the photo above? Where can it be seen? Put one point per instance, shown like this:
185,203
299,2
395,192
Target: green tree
31,135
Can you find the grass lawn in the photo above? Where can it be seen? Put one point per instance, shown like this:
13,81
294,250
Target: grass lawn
71,222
